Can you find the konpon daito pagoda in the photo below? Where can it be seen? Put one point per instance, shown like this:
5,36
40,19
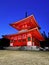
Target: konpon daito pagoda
28,33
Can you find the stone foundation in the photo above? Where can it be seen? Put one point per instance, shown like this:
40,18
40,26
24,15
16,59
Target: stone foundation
29,48
23,48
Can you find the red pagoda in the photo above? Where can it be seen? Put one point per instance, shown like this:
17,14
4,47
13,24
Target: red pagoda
28,33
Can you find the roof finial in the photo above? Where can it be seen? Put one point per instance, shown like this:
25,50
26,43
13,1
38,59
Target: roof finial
25,14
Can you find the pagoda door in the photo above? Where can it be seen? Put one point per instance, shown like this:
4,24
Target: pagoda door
29,40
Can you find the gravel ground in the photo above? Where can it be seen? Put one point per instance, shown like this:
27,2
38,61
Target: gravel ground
9,57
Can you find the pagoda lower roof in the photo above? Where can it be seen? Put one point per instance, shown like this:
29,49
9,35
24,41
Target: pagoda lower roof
35,33
26,23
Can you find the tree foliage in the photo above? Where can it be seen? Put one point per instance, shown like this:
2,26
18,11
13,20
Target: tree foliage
4,42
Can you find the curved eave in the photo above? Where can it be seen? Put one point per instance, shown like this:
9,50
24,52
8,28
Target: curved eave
36,33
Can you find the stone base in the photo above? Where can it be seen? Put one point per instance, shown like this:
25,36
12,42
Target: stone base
23,48
29,48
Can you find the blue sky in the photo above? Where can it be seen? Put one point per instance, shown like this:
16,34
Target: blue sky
14,10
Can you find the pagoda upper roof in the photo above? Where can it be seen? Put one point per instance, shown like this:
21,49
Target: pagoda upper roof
26,23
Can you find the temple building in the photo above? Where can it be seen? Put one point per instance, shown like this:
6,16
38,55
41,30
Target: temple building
28,33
